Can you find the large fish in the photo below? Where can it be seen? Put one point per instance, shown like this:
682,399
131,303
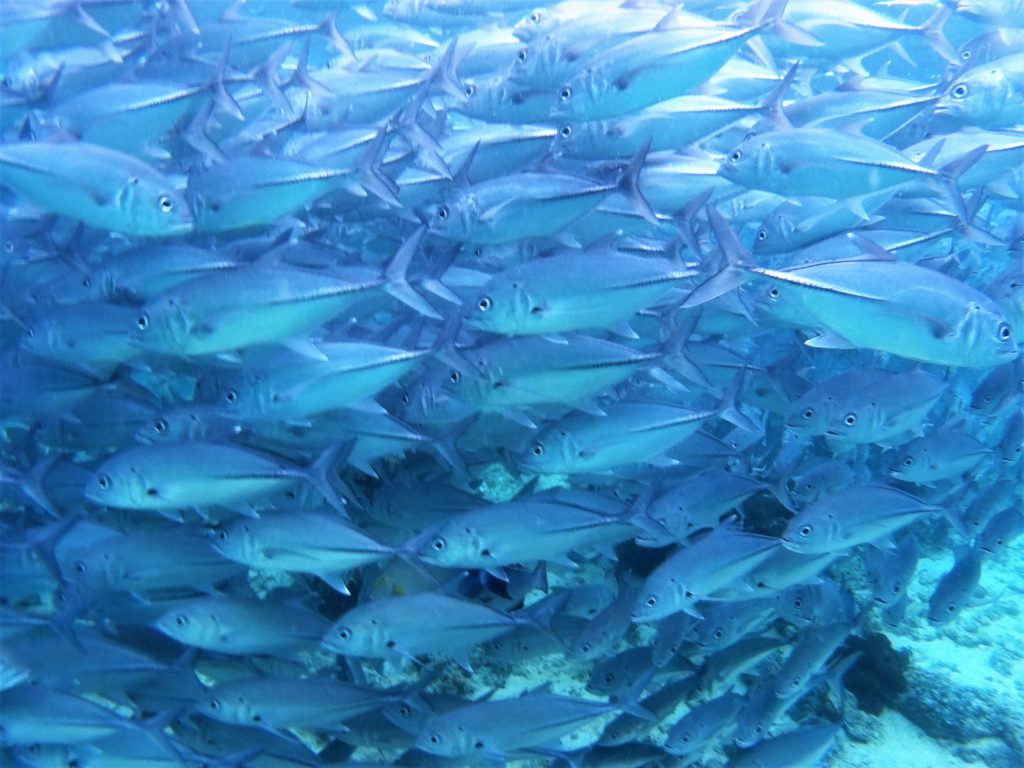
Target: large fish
101,187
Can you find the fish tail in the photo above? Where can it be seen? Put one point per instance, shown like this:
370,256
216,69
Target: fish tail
397,283
932,32
732,275
321,471
301,76
220,94
949,174
371,176
629,702
629,184
443,73
329,29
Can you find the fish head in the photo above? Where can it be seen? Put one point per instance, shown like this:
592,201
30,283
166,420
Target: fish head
978,97
161,325
573,98
454,218
811,414
153,208
228,707
447,737
810,532
775,232
984,336
913,462
856,423
752,163
354,635
454,545
118,484
551,452
501,307
237,542
189,625
95,567
658,598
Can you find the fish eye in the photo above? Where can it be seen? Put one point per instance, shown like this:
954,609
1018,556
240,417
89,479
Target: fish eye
538,450
909,461
231,396
455,377
478,745
87,282
484,304
966,54
160,426
535,17
565,94
214,703
960,91
521,56
442,213
567,132
103,481
405,398
951,608
806,530
181,621
344,633
735,156
470,89
774,293
762,235
439,545
142,321
651,601
222,534
809,413
1004,332
435,739
8,246
80,567
166,204
609,678
404,710
850,419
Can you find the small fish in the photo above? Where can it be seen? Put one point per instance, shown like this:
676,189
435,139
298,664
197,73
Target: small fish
956,587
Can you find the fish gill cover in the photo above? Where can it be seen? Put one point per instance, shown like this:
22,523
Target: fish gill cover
455,382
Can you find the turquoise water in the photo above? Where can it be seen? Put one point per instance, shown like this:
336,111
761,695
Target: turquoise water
453,383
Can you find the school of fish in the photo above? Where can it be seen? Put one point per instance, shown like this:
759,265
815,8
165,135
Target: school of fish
375,374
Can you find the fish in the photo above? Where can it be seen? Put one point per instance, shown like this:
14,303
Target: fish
881,304
101,187
853,516
956,587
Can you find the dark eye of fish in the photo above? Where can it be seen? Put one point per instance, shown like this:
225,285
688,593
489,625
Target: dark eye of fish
538,450
521,56
651,601
455,377
762,235
166,204
850,419
809,413
735,156
484,304
160,426
805,530
774,293
344,633
103,481
231,396
567,132
565,94
181,621
960,91
1004,332
142,321
80,567
439,545
442,213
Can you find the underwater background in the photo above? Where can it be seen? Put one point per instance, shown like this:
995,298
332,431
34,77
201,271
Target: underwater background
499,382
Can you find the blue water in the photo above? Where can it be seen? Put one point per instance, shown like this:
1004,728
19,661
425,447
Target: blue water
453,383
